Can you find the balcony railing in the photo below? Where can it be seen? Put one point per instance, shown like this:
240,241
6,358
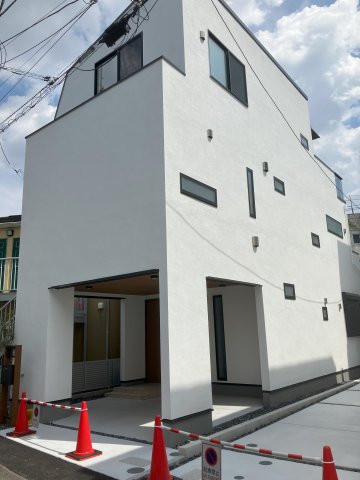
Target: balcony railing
9,274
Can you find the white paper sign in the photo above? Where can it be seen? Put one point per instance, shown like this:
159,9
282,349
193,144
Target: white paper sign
211,462
36,416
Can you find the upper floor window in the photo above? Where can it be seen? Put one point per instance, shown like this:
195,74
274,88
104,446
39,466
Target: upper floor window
251,192
339,187
195,189
304,141
334,226
226,69
279,186
119,64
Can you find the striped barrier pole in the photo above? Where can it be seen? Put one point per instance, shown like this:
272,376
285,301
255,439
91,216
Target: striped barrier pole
54,405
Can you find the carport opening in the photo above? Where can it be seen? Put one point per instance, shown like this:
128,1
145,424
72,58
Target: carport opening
234,348
116,342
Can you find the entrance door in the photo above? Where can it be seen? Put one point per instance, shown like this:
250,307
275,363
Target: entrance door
152,319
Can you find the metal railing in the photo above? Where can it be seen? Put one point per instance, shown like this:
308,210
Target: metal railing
7,324
9,268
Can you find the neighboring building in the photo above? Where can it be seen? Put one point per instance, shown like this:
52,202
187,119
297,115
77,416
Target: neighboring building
354,226
9,256
170,183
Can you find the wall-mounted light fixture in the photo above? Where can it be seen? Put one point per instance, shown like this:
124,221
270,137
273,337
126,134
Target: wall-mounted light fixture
202,36
210,134
325,301
265,167
10,232
101,306
340,306
255,241
344,231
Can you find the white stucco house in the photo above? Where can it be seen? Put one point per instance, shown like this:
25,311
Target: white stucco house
169,182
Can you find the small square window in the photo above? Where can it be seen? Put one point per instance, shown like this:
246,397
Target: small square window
325,313
289,291
279,186
356,238
304,141
315,239
334,226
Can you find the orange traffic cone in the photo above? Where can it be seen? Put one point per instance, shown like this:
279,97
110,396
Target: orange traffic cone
22,426
329,470
159,464
84,449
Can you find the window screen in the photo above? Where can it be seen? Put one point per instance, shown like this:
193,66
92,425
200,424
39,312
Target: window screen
237,79
131,58
193,188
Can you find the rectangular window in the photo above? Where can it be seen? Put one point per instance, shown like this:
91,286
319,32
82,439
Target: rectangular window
356,238
334,227
279,186
304,141
226,69
195,189
289,291
251,192
315,239
119,65
219,337
339,187
325,313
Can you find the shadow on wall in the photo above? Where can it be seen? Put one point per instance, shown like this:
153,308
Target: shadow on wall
349,269
304,378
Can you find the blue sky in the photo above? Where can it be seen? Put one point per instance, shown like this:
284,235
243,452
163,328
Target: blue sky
318,44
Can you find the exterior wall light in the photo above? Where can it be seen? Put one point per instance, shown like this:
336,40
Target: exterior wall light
325,301
210,134
202,36
100,306
255,241
265,167
10,232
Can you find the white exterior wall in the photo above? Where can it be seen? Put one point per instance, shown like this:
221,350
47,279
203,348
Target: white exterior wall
241,334
163,36
205,241
93,208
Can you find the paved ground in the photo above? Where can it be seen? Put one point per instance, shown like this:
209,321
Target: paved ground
334,421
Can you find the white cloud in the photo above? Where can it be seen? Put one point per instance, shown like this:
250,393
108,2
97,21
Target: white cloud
250,11
316,46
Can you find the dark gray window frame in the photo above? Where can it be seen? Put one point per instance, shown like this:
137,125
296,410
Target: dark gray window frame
251,190
220,346
277,189
304,141
228,71
289,297
339,188
315,236
357,235
198,197
325,314
116,53
331,231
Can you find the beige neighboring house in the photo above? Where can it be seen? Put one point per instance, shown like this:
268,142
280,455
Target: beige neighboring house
9,256
354,225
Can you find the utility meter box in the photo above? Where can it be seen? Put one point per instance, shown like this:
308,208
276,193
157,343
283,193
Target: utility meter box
7,374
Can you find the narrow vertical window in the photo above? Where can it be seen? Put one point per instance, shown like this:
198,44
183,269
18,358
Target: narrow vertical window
339,187
325,314
219,338
251,192
106,73
304,141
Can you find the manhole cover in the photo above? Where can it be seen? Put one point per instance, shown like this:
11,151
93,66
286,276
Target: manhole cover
135,470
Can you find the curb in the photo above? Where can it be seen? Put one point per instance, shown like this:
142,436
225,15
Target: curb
232,433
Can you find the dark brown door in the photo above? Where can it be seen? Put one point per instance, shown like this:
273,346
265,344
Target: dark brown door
152,318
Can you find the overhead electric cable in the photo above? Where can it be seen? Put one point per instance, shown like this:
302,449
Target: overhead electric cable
271,98
17,171
7,8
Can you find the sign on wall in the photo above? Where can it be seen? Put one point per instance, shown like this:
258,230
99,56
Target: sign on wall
211,462
36,416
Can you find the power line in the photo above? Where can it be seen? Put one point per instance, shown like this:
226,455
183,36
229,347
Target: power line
271,98
7,8
50,14
17,171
